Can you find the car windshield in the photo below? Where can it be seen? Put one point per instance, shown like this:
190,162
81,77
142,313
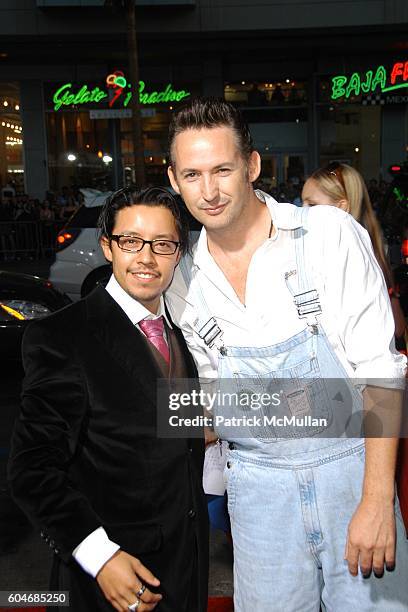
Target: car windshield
85,217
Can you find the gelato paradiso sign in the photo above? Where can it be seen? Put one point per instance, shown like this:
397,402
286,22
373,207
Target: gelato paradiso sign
378,81
117,92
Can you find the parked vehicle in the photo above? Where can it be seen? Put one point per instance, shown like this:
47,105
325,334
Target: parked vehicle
23,298
79,261
80,264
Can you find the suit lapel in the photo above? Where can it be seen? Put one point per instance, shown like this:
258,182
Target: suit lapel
113,328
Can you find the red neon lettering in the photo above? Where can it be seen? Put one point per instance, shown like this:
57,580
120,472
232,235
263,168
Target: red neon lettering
397,70
405,75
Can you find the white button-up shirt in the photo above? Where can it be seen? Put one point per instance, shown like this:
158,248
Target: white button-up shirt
357,316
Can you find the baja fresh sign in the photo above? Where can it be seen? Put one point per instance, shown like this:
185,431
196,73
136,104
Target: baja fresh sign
378,80
117,91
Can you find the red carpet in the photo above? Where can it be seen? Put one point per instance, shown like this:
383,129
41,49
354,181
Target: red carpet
220,604
215,604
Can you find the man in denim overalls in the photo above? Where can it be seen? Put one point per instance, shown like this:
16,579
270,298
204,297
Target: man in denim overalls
277,297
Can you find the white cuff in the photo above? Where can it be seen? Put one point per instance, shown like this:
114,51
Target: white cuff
93,552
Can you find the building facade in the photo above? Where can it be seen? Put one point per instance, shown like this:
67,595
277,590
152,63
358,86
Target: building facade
317,81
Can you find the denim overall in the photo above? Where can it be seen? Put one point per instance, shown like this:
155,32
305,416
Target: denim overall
292,491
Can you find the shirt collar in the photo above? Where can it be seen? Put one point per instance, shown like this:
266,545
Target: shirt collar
285,216
132,308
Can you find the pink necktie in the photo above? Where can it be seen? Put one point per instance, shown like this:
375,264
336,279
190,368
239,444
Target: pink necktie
153,330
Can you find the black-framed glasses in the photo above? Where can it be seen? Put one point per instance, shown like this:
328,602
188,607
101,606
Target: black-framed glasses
134,244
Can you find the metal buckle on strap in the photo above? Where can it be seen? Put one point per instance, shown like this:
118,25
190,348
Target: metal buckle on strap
307,303
210,333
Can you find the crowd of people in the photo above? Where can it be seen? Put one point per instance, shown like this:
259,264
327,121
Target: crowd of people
17,206
291,191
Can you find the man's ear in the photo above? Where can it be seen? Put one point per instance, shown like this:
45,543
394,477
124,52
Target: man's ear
254,166
172,179
106,248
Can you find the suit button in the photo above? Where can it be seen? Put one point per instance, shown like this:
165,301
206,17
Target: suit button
229,464
191,513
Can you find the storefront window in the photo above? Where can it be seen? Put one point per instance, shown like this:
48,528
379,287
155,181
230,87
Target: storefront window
11,138
89,126
278,93
350,130
277,113
79,150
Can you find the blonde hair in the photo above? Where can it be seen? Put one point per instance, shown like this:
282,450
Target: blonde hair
342,182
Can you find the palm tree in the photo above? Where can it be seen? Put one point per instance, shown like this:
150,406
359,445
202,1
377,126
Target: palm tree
128,8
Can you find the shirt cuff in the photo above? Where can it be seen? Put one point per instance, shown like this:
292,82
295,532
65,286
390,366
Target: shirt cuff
93,552
384,373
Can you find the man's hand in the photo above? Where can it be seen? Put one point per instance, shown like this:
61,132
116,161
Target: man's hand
121,578
371,538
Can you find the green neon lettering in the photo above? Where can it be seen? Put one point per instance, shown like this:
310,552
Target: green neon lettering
65,97
180,95
100,95
57,98
380,78
394,87
354,85
366,85
167,93
337,86
81,94
152,98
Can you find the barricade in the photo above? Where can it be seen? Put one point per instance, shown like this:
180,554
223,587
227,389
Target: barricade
28,239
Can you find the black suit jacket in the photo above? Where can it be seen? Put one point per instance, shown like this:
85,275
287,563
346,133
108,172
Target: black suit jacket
85,454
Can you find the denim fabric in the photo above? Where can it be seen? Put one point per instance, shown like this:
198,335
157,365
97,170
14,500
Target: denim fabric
289,526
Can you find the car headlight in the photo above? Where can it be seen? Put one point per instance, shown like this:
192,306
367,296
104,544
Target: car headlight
24,309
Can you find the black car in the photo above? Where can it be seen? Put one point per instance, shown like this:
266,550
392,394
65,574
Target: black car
22,299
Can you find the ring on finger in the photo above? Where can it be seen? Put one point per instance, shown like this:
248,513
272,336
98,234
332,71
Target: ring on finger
134,606
141,590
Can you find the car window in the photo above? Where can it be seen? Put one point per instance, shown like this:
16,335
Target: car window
85,217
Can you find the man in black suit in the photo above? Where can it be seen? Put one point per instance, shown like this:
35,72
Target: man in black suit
122,508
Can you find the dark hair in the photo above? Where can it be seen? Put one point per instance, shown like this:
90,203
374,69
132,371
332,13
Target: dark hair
211,113
153,196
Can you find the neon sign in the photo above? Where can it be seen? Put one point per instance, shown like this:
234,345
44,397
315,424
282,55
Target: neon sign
117,83
344,86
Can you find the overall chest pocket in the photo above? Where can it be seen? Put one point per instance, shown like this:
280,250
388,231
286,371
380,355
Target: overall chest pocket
280,399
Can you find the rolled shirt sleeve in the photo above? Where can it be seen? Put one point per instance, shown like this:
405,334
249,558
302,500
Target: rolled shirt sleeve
356,296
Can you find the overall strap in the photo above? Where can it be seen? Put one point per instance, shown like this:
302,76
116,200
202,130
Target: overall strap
300,281
205,325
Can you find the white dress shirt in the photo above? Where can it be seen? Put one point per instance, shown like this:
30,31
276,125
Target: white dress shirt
357,316
96,549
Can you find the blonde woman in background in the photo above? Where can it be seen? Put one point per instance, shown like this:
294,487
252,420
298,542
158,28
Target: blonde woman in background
342,186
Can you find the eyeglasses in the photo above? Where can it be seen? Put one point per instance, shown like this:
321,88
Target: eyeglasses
335,170
133,244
